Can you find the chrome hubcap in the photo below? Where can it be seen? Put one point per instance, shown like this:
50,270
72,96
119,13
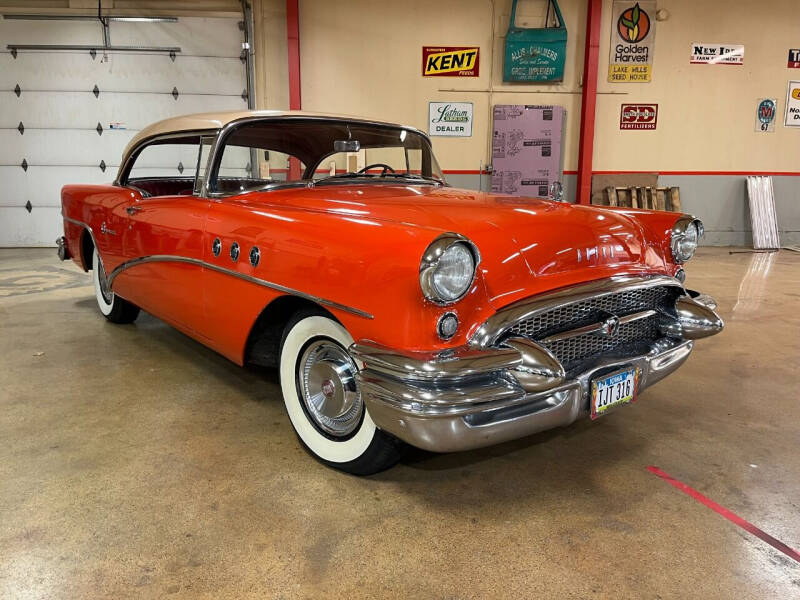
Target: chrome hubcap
326,374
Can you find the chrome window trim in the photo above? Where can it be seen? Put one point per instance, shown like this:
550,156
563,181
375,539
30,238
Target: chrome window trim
211,140
249,278
218,196
128,159
227,129
488,333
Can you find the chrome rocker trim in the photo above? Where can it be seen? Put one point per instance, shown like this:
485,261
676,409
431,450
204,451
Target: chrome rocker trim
472,397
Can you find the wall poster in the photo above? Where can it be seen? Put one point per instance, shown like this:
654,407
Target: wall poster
451,61
716,54
536,54
526,149
792,118
450,119
765,114
638,116
633,35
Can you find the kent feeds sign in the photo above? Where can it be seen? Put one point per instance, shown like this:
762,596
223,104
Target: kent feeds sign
450,61
633,33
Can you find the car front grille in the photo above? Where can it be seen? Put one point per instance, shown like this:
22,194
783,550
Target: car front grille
629,338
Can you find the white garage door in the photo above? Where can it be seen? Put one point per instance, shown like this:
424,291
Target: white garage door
60,110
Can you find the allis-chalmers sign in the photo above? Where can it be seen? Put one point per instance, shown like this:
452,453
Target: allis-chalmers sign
633,33
450,61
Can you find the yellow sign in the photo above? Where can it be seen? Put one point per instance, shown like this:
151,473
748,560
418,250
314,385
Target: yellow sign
632,46
450,61
629,73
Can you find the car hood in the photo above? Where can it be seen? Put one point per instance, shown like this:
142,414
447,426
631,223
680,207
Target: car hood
527,245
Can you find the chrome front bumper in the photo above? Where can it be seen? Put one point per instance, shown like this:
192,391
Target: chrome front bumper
474,397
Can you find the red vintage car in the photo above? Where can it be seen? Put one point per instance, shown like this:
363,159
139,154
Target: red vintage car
398,309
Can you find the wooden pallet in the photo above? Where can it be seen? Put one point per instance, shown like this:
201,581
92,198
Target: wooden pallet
652,198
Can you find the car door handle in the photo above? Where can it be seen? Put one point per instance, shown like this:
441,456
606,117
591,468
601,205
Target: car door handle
132,210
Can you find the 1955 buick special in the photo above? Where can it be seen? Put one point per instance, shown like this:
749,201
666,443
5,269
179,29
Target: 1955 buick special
396,308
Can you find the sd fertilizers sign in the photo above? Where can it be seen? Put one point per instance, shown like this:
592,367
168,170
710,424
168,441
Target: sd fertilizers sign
633,34
638,116
451,119
450,61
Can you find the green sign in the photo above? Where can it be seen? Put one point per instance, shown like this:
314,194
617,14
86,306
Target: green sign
536,54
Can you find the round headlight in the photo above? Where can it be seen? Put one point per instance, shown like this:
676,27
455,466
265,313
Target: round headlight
453,274
685,236
448,268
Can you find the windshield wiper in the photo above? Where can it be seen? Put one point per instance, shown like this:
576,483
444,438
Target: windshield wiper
343,176
413,177
372,176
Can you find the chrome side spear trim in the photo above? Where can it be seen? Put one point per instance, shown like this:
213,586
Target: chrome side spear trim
262,282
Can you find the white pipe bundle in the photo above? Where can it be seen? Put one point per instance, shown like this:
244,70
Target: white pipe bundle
763,218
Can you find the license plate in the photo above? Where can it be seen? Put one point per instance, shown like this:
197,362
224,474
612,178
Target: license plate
612,390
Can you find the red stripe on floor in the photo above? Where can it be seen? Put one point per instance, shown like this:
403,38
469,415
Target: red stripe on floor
746,525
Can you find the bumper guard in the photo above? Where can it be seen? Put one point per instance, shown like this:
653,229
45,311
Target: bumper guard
471,397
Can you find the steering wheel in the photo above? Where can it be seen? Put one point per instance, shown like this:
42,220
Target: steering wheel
386,168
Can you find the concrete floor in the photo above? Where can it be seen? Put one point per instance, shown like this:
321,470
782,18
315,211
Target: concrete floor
136,462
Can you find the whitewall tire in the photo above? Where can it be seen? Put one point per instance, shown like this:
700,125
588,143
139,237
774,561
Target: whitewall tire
322,399
114,308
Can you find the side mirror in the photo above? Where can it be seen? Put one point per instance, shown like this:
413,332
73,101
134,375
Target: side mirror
346,145
557,192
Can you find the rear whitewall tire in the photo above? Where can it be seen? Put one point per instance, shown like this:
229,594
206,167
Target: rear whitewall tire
115,309
365,450
103,303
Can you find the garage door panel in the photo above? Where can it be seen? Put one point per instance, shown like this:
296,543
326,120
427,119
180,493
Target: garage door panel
38,228
135,111
76,72
60,113
50,32
195,36
54,147
42,185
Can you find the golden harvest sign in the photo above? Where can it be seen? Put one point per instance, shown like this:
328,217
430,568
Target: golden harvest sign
450,61
633,34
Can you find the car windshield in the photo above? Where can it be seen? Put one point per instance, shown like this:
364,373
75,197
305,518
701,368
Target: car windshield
276,153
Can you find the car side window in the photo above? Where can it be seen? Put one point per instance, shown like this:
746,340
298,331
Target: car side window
236,174
170,167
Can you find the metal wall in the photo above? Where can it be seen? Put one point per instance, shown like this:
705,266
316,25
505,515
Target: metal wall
66,133
719,200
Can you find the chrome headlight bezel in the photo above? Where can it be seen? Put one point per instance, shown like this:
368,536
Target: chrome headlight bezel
430,262
678,234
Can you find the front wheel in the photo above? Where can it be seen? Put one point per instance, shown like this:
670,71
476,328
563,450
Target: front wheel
323,400
114,308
